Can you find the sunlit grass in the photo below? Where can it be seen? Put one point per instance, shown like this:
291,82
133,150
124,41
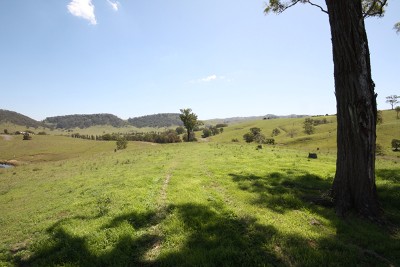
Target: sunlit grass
78,203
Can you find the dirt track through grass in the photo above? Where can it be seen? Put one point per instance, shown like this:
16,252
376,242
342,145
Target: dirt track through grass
164,191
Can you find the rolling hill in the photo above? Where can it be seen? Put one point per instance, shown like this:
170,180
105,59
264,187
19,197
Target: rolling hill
84,121
324,139
7,116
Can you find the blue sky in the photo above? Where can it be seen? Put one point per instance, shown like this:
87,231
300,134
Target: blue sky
220,58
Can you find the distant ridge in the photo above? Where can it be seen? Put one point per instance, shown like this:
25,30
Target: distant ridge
84,121
19,119
156,121
159,120
252,118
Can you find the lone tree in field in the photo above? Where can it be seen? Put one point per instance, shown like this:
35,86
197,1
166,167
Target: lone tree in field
354,183
379,117
190,121
122,143
397,109
309,126
392,100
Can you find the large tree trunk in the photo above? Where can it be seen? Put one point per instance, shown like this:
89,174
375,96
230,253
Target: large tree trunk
354,184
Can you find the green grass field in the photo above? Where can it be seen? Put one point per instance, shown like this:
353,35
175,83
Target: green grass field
75,202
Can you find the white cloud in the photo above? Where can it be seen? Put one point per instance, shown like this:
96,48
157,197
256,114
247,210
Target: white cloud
115,5
83,9
209,78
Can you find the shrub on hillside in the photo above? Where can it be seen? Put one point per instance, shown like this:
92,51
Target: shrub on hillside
122,143
211,130
379,150
275,132
396,144
379,117
255,135
397,109
180,130
309,126
248,137
27,136
206,133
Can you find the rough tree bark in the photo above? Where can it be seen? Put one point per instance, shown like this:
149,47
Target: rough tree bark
354,184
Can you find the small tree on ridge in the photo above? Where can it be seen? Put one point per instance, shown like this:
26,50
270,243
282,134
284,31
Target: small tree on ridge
392,100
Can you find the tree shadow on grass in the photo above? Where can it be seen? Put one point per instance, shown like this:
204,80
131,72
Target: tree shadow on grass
220,238
391,175
282,192
389,193
66,249
213,237
375,244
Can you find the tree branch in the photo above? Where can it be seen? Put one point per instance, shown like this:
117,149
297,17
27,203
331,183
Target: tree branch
289,6
323,10
375,10
397,27
277,7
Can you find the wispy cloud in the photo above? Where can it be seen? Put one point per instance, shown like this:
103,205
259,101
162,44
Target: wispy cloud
114,4
207,79
83,9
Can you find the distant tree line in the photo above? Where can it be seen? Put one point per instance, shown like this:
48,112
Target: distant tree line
169,136
84,121
156,120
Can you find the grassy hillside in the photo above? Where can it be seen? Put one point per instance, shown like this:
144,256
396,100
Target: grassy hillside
198,204
48,148
74,202
323,139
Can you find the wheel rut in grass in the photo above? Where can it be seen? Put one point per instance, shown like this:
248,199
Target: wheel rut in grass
163,194
161,213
